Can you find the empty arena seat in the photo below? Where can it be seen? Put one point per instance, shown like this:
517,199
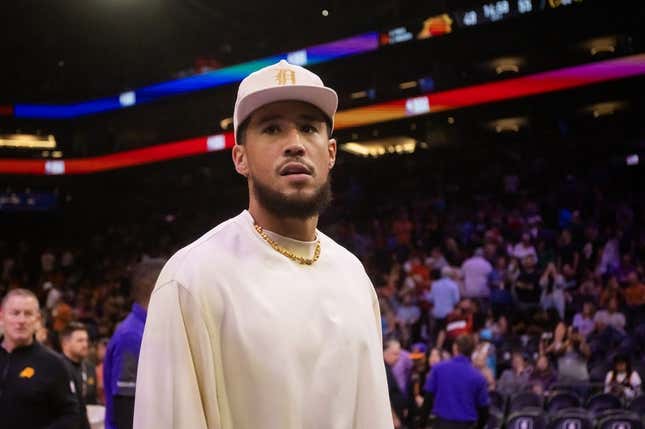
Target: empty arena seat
524,400
603,401
561,400
571,421
638,405
624,420
530,418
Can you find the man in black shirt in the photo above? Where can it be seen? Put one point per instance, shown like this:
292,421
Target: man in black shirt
35,387
74,342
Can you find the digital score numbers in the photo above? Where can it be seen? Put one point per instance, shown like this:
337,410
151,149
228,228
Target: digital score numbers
495,11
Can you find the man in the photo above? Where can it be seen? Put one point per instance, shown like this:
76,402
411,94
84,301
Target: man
444,295
457,391
515,379
476,270
74,343
35,387
265,321
398,369
122,354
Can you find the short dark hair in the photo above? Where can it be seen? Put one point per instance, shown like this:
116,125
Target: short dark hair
465,344
71,328
143,279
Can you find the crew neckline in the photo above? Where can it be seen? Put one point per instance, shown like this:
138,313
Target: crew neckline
304,249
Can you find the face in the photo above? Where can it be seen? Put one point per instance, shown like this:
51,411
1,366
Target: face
391,354
20,317
77,345
287,157
542,363
518,361
434,358
621,366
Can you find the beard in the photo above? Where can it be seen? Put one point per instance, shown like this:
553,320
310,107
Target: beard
296,206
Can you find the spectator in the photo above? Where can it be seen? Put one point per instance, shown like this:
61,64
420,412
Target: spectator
552,284
635,291
543,375
524,248
444,295
584,321
526,288
572,358
475,271
622,380
515,379
398,367
611,316
611,291
499,283
481,359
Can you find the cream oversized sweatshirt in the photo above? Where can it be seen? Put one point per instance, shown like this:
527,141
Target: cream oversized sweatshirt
238,336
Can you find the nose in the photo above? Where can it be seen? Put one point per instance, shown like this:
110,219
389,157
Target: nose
293,146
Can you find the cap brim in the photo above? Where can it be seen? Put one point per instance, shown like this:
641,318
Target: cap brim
322,97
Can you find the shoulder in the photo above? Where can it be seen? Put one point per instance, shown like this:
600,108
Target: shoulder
54,362
210,248
340,254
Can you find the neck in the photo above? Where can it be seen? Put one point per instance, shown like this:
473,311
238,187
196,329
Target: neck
10,345
71,357
296,228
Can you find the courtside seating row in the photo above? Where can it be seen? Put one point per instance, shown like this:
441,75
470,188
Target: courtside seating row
565,410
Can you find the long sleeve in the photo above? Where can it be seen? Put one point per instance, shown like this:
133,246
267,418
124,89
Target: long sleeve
176,375
64,401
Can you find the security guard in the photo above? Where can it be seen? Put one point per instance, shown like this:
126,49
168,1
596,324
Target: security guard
36,390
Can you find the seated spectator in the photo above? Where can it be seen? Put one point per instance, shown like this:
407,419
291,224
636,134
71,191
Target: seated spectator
407,315
499,283
543,375
552,284
622,381
611,316
635,291
515,379
584,321
484,350
459,322
568,256
573,357
524,248
436,260
611,291
526,289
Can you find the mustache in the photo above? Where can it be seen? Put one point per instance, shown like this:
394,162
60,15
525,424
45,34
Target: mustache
298,160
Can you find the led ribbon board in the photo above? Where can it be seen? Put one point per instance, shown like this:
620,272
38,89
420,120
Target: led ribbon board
540,83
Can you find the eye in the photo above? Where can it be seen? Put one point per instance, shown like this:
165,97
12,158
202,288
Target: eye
271,129
309,129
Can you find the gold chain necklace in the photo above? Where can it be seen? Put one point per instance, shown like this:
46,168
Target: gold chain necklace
285,252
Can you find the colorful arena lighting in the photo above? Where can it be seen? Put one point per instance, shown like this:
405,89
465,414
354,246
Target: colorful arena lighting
540,83
310,56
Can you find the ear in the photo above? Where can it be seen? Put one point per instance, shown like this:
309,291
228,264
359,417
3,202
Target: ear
239,159
332,147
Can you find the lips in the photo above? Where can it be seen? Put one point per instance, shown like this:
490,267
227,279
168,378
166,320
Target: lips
293,168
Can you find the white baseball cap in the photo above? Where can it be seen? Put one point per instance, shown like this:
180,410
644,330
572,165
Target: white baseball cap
280,82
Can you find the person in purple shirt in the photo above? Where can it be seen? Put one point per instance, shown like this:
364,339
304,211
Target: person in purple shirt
456,391
122,355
